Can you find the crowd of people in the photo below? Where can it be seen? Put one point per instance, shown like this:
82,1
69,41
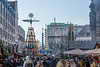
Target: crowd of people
79,62
52,62
30,62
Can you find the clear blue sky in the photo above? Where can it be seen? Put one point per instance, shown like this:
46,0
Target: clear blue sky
74,11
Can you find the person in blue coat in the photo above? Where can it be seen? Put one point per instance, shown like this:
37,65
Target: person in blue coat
22,62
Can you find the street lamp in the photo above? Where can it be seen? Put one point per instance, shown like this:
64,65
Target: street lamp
61,47
42,37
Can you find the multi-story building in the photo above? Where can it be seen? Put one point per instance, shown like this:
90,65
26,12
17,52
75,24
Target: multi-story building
56,35
82,33
21,40
95,19
76,30
8,22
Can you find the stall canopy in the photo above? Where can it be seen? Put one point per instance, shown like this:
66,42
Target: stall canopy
75,51
93,52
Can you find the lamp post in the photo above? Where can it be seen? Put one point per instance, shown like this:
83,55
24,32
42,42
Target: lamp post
42,37
61,46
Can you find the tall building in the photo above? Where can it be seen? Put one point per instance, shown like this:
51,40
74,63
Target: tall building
21,40
8,22
56,35
95,19
14,5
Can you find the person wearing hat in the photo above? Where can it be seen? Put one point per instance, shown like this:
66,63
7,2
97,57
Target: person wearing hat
72,63
28,62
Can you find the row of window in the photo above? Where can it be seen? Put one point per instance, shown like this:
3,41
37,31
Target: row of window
7,26
56,41
7,35
10,18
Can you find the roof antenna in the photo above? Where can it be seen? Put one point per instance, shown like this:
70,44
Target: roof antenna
54,20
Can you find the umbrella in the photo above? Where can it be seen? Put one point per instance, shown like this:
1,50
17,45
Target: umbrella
75,51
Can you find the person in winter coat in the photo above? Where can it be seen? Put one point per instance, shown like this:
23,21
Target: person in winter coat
67,64
54,63
72,64
28,62
39,64
8,63
44,63
60,63
22,62
48,63
81,63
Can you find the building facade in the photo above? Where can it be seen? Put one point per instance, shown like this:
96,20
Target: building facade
56,35
84,33
76,30
21,40
95,19
8,22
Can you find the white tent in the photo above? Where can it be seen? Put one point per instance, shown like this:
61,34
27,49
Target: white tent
93,52
75,51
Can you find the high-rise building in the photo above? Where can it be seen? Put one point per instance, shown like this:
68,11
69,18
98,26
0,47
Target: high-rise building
95,19
21,40
56,34
8,22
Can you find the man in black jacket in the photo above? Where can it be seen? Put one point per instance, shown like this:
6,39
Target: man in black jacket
54,62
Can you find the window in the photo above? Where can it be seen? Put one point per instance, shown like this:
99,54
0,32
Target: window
6,24
6,34
0,31
87,34
1,20
0,9
6,14
3,12
3,33
65,35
